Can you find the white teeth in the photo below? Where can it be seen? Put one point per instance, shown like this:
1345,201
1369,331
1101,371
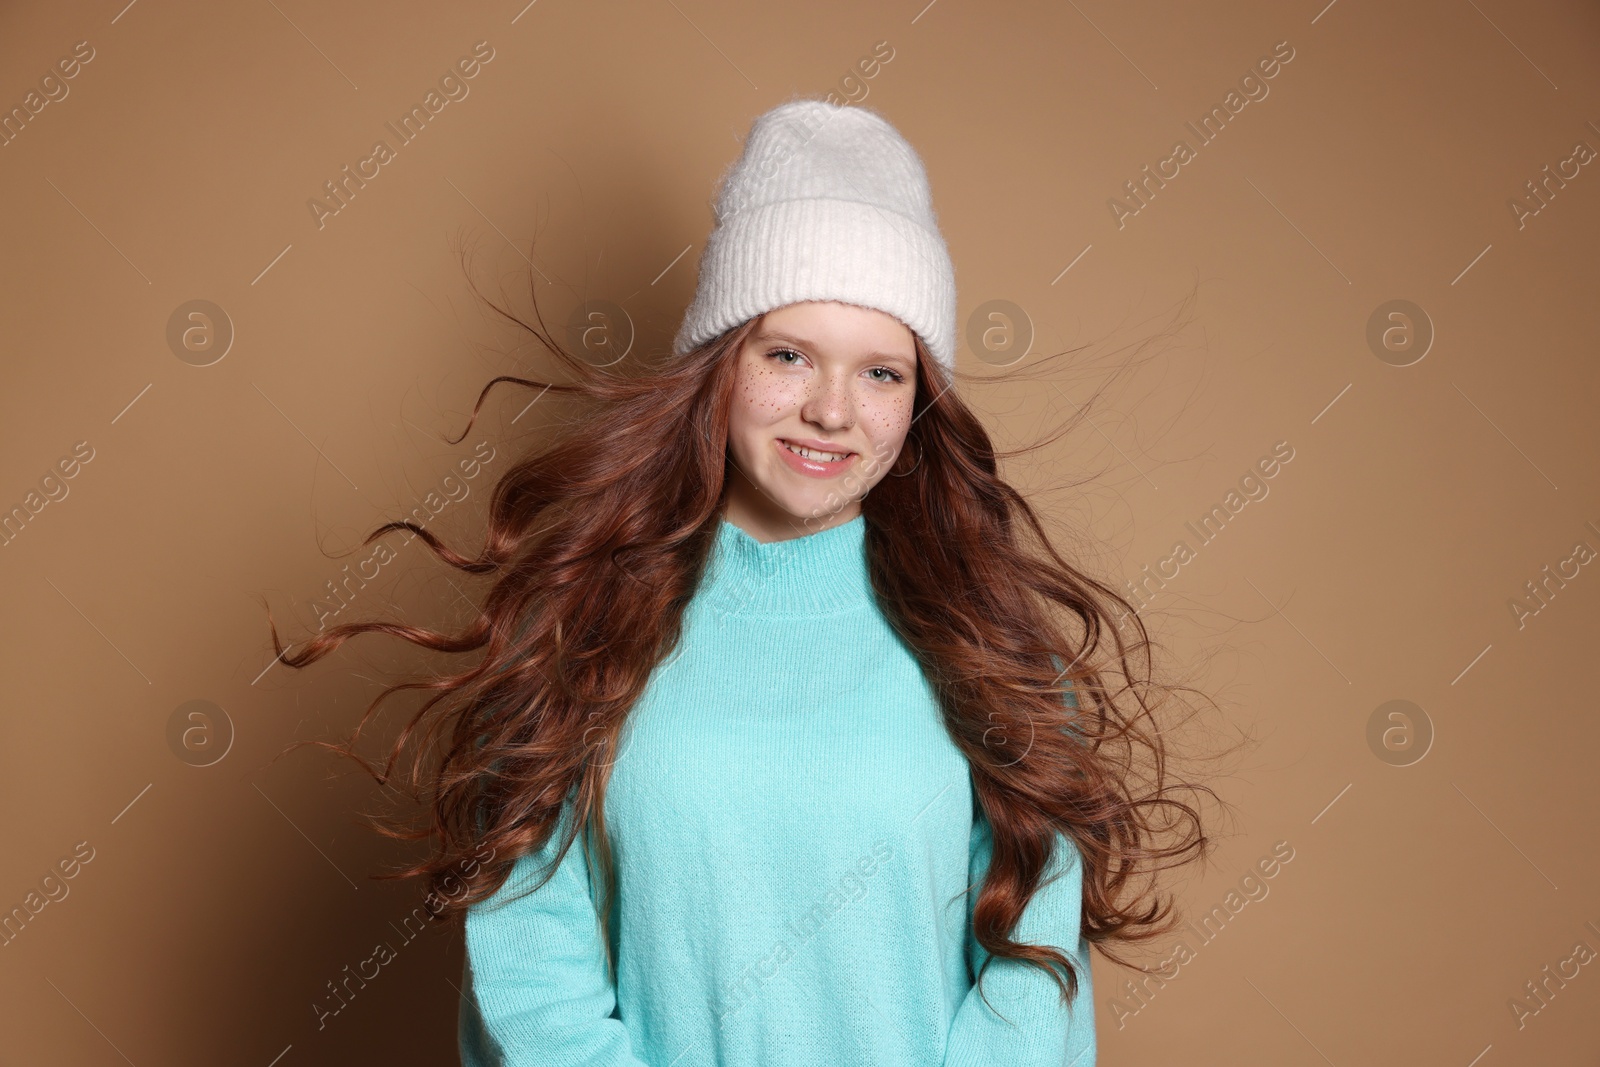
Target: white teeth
809,453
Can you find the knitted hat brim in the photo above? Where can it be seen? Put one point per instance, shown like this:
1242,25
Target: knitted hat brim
823,249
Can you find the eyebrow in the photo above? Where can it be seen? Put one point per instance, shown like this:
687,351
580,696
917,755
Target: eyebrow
800,342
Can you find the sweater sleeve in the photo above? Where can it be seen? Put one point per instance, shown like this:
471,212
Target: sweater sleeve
1033,1028
540,991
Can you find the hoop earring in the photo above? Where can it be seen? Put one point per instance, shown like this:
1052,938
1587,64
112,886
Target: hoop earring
915,465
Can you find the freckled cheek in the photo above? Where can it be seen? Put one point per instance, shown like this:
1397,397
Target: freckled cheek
886,422
766,397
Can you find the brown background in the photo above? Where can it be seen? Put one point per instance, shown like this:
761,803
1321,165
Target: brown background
1420,501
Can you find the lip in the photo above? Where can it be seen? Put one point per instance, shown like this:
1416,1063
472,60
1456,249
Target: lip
810,467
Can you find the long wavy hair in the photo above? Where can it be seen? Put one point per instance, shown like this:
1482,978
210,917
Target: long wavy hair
594,551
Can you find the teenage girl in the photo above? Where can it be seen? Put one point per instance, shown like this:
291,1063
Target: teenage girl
792,743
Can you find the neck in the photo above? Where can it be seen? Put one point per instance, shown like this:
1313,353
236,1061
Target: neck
762,517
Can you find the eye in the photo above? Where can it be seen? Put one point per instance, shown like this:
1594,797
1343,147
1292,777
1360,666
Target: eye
894,376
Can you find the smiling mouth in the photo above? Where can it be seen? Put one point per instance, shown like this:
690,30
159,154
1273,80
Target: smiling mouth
816,455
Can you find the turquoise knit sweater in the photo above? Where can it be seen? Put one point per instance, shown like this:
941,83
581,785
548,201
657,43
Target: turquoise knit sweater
794,835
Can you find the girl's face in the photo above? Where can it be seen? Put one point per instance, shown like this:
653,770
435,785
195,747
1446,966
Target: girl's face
831,378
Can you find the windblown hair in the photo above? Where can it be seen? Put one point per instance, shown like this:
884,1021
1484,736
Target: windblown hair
596,549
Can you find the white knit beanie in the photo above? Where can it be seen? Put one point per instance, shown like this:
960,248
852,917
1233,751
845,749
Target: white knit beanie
826,202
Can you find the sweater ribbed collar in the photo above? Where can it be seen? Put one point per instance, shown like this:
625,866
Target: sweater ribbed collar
818,573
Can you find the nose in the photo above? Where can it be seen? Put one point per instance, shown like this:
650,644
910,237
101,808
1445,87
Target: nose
829,403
